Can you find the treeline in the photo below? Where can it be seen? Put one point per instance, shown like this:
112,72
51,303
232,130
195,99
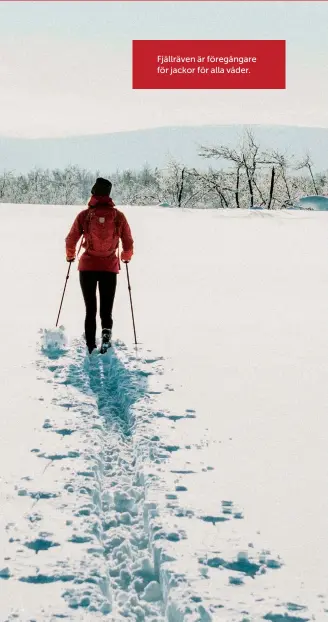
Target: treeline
240,177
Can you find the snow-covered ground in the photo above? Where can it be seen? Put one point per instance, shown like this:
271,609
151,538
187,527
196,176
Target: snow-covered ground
186,481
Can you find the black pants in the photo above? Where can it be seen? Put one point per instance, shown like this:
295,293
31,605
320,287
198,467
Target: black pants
107,288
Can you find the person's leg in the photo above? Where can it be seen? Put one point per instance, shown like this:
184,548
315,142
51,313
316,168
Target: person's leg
107,289
88,282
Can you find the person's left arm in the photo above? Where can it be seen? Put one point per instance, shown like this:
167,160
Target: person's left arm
73,237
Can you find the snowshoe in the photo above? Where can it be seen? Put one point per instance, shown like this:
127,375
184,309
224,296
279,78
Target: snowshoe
106,337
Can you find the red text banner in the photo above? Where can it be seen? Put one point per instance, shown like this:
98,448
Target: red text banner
209,64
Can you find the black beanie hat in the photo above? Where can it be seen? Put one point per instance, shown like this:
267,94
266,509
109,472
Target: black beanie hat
102,187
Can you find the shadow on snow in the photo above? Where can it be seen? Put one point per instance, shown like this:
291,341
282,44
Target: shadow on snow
116,388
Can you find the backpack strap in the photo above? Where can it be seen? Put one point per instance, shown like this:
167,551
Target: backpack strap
86,241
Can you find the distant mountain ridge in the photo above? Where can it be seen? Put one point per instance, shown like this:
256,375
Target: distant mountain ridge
131,150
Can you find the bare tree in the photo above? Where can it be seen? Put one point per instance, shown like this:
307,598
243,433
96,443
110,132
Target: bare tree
175,181
247,157
282,163
308,164
271,187
216,185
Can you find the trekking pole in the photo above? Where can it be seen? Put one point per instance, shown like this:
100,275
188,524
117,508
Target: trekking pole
67,277
129,288
62,298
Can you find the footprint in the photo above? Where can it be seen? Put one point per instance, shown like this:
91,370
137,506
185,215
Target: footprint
171,448
43,578
40,544
52,457
278,617
65,431
183,472
214,519
5,573
80,539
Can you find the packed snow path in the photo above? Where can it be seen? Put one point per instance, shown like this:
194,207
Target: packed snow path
105,528
99,499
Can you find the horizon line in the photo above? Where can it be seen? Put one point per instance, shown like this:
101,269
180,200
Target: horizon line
159,127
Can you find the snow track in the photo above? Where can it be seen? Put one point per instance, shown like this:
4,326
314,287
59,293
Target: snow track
96,537
109,516
107,397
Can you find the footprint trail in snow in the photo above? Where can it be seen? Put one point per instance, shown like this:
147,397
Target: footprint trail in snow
109,521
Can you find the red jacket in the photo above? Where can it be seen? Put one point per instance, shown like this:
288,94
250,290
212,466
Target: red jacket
103,206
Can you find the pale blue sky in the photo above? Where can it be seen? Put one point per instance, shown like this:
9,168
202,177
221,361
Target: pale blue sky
125,20
65,67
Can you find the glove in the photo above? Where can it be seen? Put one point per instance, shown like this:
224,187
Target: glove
126,256
70,259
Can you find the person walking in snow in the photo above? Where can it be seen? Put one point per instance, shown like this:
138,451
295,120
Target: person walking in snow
102,227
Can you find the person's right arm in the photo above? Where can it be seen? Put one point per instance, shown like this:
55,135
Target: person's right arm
127,240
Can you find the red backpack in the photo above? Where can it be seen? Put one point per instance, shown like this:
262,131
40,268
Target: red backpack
101,232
